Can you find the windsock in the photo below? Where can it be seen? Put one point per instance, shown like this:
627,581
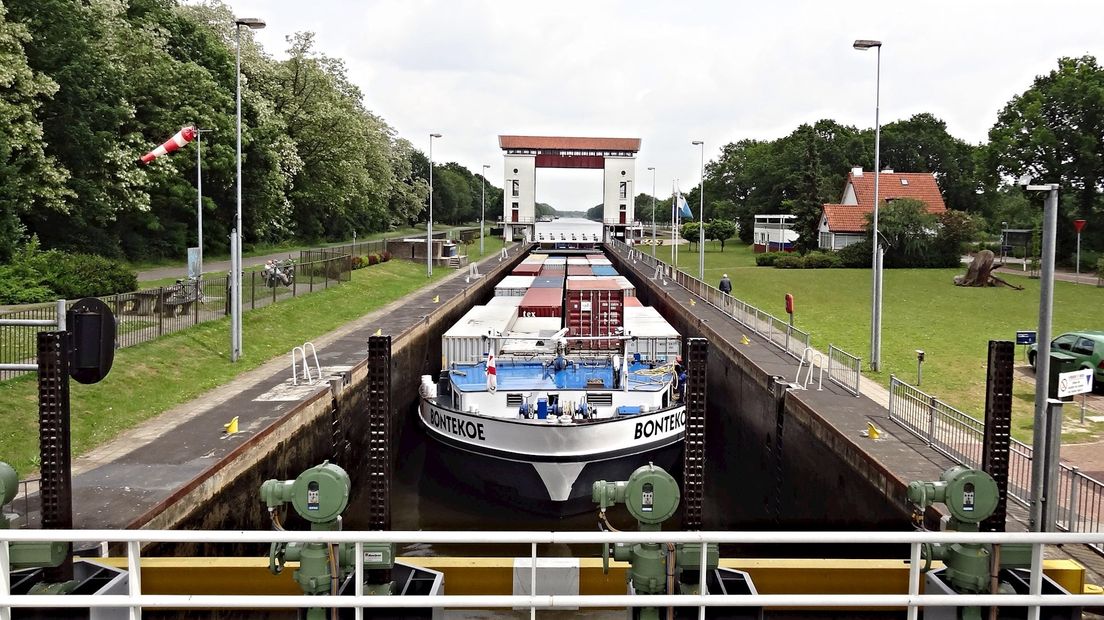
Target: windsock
492,374
182,137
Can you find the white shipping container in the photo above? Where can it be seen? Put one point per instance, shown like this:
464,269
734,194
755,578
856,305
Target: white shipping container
531,326
599,261
556,260
464,342
506,300
655,339
535,258
577,260
514,285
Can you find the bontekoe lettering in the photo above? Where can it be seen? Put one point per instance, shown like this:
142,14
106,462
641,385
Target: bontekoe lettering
456,426
669,422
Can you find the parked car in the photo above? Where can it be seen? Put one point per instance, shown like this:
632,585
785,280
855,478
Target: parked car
1087,347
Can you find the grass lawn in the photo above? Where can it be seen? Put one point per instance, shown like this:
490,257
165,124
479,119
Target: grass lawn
922,309
148,379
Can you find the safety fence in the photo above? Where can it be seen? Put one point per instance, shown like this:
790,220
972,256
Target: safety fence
959,436
150,313
134,595
778,332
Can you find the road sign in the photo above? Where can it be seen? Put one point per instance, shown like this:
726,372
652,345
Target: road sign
1079,225
1076,382
1025,337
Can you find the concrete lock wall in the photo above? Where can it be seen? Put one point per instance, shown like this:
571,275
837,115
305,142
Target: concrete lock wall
774,463
226,496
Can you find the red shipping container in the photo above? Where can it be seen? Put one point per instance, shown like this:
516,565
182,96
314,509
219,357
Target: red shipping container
554,271
632,302
542,302
527,269
579,270
594,308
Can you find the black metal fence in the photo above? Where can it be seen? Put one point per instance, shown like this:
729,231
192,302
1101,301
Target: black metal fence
150,313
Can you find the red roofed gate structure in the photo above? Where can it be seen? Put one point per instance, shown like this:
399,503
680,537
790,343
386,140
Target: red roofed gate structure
524,154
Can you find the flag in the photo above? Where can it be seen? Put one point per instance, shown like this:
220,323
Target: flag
684,209
492,374
182,137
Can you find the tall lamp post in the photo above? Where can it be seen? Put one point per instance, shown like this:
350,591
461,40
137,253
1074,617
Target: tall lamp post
236,235
429,223
652,168
483,209
199,195
1040,449
701,215
878,252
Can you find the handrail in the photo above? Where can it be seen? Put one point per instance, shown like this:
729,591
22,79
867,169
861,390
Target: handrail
135,599
306,366
815,358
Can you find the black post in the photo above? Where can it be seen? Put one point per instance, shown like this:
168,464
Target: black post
693,466
996,444
56,486
379,442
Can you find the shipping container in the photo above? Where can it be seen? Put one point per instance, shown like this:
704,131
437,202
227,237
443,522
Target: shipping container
655,340
594,308
542,302
510,300
631,301
548,282
553,270
513,285
526,269
556,260
626,285
579,270
602,270
621,282
577,260
544,327
591,257
601,260
535,258
464,342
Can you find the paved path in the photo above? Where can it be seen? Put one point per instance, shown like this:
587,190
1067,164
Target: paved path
1015,267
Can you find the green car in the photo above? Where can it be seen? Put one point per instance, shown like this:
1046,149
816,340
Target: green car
1087,347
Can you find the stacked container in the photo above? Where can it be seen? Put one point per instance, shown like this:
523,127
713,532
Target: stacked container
558,271
580,270
601,270
655,340
632,301
512,301
542,302
594,309
464,341
548,282
513,286
527,269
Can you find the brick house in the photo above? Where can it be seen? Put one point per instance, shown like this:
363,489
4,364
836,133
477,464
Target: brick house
845,223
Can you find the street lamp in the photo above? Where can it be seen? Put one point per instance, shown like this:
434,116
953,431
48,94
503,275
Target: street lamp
876,259
701,215
652,168
236,235
1041,456
483,209
429,223
199,196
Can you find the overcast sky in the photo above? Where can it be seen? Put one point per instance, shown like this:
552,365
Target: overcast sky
670,73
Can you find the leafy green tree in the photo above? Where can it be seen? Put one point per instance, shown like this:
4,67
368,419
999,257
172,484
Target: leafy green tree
922,144
1054,132
29,180
690,232
720,230
907,229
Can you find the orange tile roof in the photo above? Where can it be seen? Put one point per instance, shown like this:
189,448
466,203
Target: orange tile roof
920,186
568,143
846,218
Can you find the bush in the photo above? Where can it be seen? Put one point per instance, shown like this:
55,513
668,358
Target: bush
358,262
789,261
821,260
88,275
385,256
1100,267
767,258
373,259
856,255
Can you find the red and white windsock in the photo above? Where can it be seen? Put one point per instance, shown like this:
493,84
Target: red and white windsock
492,374
182,137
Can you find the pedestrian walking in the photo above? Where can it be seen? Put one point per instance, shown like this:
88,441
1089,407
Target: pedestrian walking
725,285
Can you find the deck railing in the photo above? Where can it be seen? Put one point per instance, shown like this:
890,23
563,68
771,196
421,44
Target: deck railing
959,436
135,599
844,369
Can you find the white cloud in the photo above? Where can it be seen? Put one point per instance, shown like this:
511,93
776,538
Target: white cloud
670,73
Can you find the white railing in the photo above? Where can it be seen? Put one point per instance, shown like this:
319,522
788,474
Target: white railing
959,436
844,369
135,600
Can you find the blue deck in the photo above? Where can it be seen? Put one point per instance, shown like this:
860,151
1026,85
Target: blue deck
535,376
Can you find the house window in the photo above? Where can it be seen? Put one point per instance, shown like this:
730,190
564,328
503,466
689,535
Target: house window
623,190
904,181
826,240
516,189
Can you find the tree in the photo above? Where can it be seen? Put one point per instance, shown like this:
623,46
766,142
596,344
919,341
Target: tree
907,229
720,230
1054,132
690,232
922,144
29,179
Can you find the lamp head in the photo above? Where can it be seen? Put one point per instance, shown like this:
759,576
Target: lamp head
434,135
253,23
865,44
485,166
697,143
651,168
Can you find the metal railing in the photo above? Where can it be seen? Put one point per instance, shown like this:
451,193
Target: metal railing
135,599
148,314
844,369
777,331
959,436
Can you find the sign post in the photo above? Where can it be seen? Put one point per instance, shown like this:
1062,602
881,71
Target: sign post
1079,225
1026,338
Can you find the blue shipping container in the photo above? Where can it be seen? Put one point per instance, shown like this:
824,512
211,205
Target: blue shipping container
548,282
604,270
